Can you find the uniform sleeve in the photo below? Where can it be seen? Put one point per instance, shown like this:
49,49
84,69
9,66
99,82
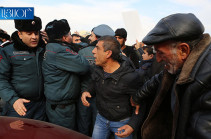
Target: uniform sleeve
85,82
69,60
7,92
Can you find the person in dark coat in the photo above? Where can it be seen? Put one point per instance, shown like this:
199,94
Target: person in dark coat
96,33
63,69
146,64
86,115
4,38
77,43
114,81
181,108
21,79
129,51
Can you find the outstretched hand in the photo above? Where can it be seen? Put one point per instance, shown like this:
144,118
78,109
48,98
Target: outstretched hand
139,45
19,106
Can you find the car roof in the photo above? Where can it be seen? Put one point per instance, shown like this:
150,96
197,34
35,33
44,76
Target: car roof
23,128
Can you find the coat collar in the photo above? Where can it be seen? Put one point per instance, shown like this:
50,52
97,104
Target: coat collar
126,66
19,45
194,60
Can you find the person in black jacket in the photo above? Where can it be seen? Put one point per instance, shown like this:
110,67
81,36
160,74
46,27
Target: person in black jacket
114,81
146,64
86,115
129,51
21,79
181,108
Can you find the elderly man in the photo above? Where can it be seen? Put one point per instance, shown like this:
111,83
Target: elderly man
21,80
181,108
114,80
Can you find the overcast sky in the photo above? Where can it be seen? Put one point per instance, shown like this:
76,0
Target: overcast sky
86,14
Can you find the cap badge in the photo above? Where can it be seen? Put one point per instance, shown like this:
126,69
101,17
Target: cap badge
33,22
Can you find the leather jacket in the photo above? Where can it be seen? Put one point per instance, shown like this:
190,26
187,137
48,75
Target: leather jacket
191,114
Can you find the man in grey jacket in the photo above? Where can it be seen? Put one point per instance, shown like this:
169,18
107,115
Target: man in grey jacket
86,115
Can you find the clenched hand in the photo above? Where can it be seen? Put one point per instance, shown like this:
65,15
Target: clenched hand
84,100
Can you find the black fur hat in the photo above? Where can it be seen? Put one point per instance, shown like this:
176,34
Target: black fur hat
121,32
29,25
4,35
57,29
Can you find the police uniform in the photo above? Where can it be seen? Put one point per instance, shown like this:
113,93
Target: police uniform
20,73
62,68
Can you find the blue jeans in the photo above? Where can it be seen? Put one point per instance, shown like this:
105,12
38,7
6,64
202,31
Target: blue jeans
104,127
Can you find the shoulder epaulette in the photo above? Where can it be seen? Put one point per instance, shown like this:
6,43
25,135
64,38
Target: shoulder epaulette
4,44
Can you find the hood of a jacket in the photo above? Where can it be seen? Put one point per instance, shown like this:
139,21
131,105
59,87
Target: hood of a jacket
18,43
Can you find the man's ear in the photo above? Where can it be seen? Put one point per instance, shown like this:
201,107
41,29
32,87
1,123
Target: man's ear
63,38
184,50
109,53
152,55
20,35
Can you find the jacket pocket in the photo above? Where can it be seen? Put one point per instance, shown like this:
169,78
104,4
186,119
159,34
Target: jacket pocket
118,111
24,65
21,60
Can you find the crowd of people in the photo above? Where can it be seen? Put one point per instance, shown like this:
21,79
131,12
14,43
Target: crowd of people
159,88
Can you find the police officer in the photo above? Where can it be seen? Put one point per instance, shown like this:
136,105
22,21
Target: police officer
62,68
4,38
21,82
